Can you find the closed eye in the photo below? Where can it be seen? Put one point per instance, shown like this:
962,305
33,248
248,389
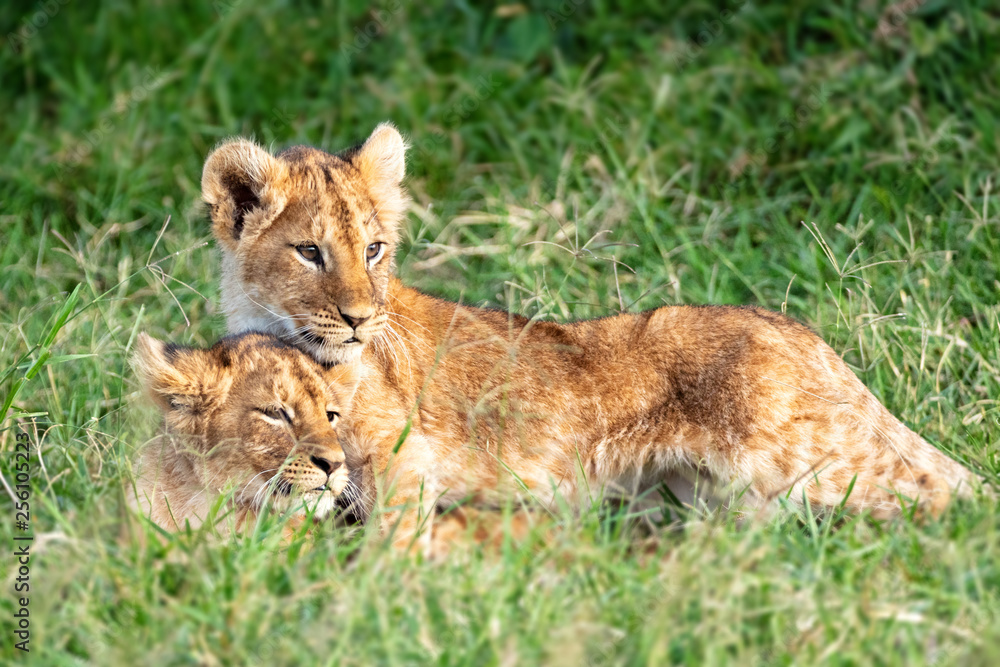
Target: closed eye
275,415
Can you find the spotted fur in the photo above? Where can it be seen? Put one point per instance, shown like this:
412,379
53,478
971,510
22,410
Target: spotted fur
251,414
493,404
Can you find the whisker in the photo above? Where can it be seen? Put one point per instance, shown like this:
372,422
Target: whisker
247,485
357,498
411,338
266,491
252,300
390,338
388,344
389,312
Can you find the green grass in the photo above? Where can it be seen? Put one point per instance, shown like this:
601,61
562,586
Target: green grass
868,210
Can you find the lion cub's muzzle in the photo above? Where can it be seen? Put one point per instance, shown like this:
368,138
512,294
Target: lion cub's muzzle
335,471
311,480
338,337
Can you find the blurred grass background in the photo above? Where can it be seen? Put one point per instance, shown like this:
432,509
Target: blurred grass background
569,160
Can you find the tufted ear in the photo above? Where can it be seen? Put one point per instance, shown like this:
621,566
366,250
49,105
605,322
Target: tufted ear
243,186
342,381
382,163
182,381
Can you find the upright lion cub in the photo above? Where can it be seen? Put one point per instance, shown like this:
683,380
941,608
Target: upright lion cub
250,414
462,403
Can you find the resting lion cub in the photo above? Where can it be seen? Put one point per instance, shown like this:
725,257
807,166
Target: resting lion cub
461,403
250,413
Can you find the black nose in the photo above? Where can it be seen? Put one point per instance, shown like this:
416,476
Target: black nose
353,322
326,465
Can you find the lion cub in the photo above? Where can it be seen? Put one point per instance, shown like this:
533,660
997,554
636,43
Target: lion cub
462,403
250,415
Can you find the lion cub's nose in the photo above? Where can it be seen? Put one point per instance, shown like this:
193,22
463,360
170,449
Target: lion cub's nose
326,465
353,321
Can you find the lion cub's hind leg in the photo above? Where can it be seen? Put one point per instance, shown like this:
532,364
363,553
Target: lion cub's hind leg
853,454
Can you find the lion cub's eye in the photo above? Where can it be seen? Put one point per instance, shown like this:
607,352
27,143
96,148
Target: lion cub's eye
373,253
310,253
275,414
332,417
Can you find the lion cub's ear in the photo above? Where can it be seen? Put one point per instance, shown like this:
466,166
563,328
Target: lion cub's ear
244,187
342,382
182,381
382,163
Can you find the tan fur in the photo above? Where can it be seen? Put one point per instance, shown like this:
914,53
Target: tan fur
224,429
744,398
248,191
